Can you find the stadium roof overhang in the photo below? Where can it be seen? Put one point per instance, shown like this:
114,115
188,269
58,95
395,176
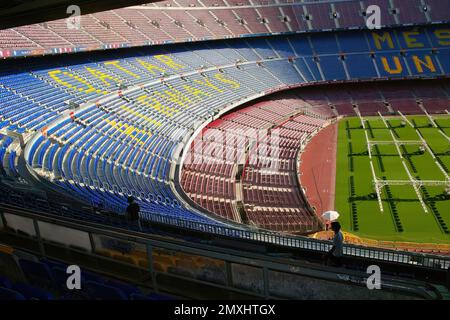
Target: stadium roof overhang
14,13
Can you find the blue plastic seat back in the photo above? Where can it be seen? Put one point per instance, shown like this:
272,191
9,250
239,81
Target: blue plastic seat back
73,295
136,296
87,276
158,296
98,291
9,294
37,273
124,287
60,277
5,282
10,267
53,263
32,293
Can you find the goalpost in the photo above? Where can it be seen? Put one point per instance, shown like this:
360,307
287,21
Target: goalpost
415,183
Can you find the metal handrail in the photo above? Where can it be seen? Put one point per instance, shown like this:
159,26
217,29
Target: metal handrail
417,288
305,243
404,258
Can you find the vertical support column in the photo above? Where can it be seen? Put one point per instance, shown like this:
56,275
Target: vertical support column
266,282
151,267
38,236
91,240
229,274
3,219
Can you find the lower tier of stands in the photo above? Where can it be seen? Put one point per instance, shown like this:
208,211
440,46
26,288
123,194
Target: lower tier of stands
242,166
24,276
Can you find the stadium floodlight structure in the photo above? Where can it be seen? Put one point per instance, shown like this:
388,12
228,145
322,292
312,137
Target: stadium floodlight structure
379,184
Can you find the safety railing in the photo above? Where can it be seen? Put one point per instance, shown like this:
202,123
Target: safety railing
231,270
405,258
304,243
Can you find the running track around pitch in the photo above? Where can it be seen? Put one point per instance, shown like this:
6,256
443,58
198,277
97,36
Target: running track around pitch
318,169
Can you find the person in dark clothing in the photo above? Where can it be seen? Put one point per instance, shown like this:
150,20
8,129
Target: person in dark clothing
448,278
133,209
334,256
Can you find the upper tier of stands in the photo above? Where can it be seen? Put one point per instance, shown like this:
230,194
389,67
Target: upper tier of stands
186,21
105,125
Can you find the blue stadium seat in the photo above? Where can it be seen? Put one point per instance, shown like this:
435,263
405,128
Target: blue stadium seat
332,68
37,273
125,145
127,289
324,43
5,282
32,293
9,294
360,66
136,296
158,296
100,291
60,278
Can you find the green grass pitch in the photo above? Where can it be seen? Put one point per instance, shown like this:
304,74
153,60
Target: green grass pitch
403,218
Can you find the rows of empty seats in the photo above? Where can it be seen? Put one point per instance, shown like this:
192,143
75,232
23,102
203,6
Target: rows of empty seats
105,125
408,97
270,189
173,21
330,56
26,277
264,138
5,142
269,178
124,146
